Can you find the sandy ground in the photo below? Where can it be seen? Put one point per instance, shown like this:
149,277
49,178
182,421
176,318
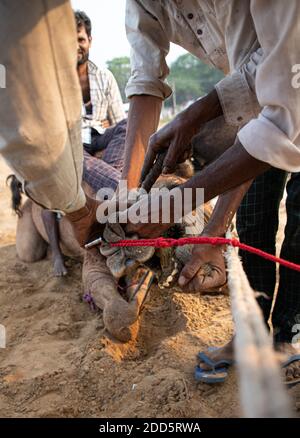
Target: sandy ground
60,362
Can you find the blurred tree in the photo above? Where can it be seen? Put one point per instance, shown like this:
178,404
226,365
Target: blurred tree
120,68
192,78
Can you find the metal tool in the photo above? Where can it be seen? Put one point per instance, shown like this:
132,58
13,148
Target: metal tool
155,172
93,243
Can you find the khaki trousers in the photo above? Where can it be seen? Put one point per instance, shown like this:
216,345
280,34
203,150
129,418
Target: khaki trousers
40,108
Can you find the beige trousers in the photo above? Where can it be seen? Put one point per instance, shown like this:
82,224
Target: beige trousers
40,108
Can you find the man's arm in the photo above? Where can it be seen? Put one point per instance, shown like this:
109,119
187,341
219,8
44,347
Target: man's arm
234,97
143,120
225,209
233,168
146,87
235,94
192,276
175,137
273,138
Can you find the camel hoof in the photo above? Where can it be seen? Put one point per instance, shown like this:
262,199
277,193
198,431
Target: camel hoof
119,318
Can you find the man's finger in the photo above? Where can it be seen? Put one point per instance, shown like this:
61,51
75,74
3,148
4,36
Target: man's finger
210,282
188,272
206,283
154,172
194,285
171,159
187,154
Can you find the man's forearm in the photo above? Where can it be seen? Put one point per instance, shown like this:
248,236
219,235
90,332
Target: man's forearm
143,121
175,137
202,111
230,170
224,211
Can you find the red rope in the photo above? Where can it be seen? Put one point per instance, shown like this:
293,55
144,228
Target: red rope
162,242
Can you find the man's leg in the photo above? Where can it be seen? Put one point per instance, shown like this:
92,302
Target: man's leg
287,308
257,225
40,107
106,172
257,218
115,149
286,313
98,174
51,226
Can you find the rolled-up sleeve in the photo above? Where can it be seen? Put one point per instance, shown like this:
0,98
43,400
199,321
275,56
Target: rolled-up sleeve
236,91
274,136
149,48
237,94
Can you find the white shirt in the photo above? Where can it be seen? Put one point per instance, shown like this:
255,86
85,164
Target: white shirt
105,99
225,34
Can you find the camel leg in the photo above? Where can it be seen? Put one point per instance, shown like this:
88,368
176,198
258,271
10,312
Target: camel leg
31,247
119,316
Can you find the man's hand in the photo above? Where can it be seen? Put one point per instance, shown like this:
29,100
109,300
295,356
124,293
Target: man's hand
175,137
147,231
105,123
205,271
146,209
84,222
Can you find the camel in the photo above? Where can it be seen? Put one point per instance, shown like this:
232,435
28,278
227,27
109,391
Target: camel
120,301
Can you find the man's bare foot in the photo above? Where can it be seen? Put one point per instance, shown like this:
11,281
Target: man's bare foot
290,372
205,271
222,353
59,268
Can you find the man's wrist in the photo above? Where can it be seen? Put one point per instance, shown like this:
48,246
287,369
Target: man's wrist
201,111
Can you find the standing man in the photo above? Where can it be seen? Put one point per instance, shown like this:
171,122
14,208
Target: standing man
256,98
40,110
102,107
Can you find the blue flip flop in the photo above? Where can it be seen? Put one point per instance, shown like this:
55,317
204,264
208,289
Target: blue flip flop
214,364
290,360
219,369
210,376
218,372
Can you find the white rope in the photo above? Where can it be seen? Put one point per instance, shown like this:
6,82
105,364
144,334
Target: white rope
262,392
